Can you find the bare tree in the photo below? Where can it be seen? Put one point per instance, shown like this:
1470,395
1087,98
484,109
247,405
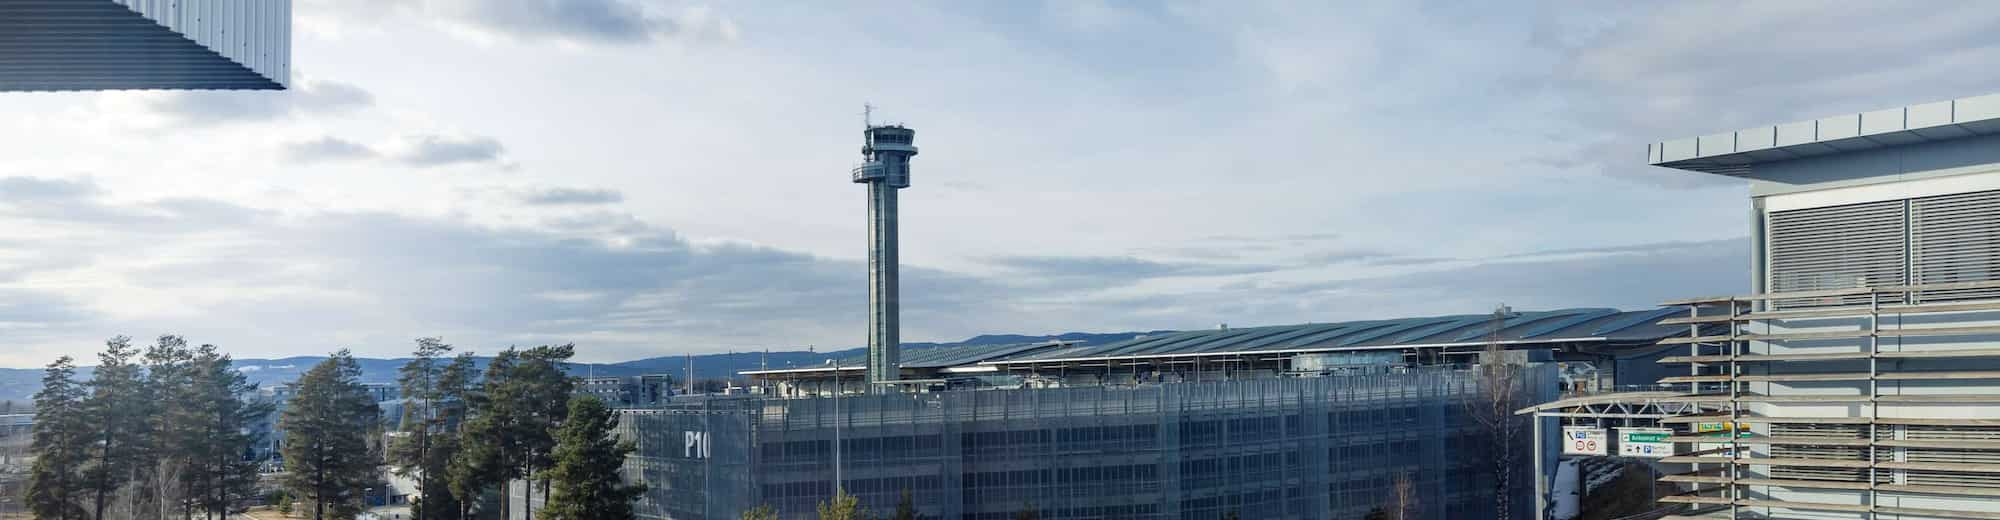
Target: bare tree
168,491
1406,497
1500,393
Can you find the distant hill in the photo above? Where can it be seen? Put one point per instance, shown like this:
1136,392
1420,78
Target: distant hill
22,383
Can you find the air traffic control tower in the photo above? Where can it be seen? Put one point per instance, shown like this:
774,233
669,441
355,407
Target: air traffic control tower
885,152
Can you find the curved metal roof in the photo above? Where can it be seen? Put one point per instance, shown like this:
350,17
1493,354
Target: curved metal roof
1591,325
1596,325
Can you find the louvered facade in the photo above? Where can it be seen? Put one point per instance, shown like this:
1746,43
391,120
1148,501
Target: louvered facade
61,45
1863,370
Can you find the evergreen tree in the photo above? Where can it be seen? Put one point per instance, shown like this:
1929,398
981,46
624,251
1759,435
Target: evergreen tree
457,384
423,431
223,481
586,483
510,432
327,452
542,384
61,444
486,457
117,395
171,438
906,507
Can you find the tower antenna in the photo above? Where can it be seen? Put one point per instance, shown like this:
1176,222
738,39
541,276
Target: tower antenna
867,116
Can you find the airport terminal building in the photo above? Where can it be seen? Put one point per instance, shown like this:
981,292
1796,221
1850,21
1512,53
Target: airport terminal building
1316,421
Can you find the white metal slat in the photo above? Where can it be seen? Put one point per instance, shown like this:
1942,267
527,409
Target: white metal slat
1952,456
1835,248
1955,238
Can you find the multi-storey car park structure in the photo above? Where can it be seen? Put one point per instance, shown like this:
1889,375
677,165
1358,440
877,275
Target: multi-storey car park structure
1314,421
1861,374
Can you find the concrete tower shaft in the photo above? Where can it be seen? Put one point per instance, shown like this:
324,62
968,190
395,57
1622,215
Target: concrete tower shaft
886,152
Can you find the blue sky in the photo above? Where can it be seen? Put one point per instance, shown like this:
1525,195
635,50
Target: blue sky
650,178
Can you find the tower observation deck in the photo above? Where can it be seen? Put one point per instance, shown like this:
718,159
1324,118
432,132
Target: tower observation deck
886,152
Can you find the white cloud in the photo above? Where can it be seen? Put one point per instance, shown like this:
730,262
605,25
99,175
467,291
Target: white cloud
1086,166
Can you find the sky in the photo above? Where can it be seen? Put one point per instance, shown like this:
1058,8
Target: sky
649,178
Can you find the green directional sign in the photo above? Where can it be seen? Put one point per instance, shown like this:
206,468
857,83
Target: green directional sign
1645,442
1645,437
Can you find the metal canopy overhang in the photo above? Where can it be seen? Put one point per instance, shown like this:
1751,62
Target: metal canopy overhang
69,45
1736,153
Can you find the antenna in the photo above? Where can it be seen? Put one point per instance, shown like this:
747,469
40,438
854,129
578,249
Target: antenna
867,116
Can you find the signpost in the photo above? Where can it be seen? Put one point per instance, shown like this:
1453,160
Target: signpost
1578,440
1645,442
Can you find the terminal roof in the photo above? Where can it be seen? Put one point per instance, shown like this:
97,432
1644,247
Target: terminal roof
1584,325
1596,325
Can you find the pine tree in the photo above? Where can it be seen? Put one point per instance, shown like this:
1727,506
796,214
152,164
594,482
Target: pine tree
542,382
423,431
456,385
326,448
585,476
171,439
61,444
223,480
117,394
487,456
510,432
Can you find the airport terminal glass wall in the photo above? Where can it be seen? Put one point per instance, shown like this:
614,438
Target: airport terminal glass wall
1305,448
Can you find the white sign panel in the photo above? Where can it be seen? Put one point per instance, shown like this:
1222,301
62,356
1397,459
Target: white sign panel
697,445
1645,442
1578,440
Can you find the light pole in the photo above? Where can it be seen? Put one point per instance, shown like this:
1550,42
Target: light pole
837,420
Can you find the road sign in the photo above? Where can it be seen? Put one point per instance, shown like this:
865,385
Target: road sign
1645,442
1715,429
1579,440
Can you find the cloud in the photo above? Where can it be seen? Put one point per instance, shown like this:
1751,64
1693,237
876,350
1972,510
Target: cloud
211,107
326,149
418,151
35,309
331,96
1639,73
428,151
556,196
1627,281
1635,277
309,282
297,283
618,22
1100,271
33,189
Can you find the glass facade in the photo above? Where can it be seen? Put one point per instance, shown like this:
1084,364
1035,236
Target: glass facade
1306,448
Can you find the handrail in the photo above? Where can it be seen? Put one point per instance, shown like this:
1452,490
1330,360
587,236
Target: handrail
1856,291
